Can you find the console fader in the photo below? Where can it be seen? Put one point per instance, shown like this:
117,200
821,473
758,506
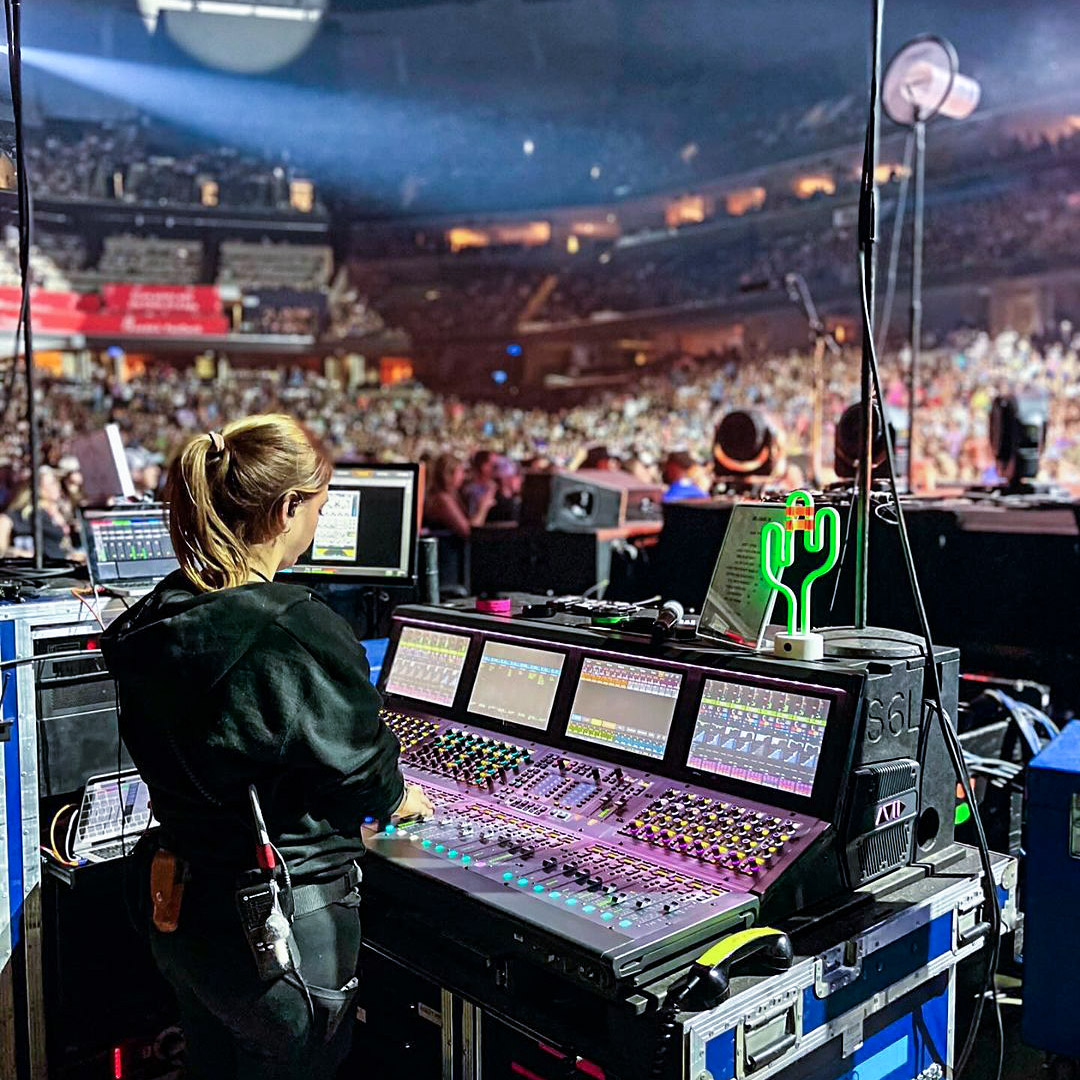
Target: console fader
604,856
606,813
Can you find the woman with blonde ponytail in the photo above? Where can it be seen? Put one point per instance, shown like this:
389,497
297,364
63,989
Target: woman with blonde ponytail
228,679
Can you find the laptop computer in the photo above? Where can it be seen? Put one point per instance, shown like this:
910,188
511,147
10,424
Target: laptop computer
127,546
115,812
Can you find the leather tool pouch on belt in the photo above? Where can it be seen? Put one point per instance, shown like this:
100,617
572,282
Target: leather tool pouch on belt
168,873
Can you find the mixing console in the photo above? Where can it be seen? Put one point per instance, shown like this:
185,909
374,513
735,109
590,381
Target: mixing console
606,805
730,843
605,856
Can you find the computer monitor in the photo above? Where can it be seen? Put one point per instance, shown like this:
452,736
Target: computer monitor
427,665
770,736
104,465
368,528
127,545
516,684
624,706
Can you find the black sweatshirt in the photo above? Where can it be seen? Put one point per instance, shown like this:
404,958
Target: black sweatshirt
258,684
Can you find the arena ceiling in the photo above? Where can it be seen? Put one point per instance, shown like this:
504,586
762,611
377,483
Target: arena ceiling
621,96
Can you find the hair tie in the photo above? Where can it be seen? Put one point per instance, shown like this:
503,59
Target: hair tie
217,441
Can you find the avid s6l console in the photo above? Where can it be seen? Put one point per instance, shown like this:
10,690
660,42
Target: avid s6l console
605,806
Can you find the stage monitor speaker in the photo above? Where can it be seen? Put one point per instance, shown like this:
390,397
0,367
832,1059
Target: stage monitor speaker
589,499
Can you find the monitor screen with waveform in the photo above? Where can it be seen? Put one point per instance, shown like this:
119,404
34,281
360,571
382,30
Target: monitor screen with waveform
763,735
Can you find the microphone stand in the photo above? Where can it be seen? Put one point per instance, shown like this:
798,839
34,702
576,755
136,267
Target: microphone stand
868,227
799,293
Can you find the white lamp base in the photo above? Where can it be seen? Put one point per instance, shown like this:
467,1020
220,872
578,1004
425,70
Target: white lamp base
799,646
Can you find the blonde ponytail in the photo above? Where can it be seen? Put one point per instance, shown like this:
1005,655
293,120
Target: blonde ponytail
225,489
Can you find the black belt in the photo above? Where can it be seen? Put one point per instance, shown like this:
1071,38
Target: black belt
309,898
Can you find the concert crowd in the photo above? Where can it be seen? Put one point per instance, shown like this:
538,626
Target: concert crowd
673,410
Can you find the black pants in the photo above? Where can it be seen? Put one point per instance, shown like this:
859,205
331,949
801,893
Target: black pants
239,1028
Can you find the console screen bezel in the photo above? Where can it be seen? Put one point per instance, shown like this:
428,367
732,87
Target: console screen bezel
833,761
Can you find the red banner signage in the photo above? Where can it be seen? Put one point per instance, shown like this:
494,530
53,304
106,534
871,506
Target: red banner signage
11,296
59,321
151,324
46,320
162,299
132,309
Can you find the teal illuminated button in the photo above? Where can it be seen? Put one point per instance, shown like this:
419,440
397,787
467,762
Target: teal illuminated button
538,888
626,922
571,900
523,881
466,859
425,843
507,876
440,847
555,894
389,829
452,854
589,909
608,916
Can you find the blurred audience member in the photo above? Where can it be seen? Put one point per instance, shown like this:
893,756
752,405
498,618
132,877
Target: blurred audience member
507,505
444,505
684,477
57,526
145,469
481,480
600,457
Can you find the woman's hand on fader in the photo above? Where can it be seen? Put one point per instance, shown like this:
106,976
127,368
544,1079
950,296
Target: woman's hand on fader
414,804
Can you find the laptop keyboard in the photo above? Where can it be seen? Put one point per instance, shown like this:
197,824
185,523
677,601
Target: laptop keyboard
101,815
115,850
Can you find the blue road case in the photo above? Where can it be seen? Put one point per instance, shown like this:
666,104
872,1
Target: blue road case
872,992
871,996
25,631
1051,892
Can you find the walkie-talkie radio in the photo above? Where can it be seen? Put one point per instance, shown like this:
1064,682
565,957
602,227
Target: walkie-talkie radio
266,909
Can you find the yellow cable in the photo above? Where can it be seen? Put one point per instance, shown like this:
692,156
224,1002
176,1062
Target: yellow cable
725,947
52,835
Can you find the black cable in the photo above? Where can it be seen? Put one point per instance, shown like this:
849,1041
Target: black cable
867,247
871,394
952,742
20,570
13,80
13,18
668,1019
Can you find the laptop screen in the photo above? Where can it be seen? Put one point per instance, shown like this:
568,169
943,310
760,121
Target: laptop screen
128,544
112,806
